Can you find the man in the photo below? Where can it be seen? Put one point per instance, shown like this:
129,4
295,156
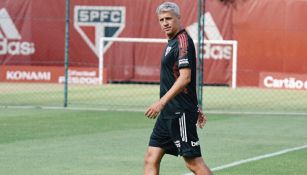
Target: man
175,130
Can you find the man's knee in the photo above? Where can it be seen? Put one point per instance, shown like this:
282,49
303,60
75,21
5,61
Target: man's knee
197,166
191,165
149,158
153,157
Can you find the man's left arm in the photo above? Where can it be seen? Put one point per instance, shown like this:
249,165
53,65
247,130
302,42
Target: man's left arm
202,119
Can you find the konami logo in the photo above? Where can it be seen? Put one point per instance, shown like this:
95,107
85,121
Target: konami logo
28,75
10,38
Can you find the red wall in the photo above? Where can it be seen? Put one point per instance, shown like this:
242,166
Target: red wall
272,35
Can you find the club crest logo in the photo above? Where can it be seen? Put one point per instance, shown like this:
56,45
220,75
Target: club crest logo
168,49
94,22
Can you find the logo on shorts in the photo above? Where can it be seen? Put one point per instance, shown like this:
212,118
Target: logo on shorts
177,143
195,143
94,22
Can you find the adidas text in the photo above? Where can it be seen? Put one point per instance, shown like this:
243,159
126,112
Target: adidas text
16,47
217,52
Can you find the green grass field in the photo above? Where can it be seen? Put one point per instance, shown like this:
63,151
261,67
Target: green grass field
88,142
137,97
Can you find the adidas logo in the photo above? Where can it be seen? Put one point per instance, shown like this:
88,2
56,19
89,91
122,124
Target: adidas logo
211,33
216,52
10,38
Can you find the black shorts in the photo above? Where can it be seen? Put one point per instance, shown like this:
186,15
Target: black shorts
177,135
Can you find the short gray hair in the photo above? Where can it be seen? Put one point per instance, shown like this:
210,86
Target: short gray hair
168,6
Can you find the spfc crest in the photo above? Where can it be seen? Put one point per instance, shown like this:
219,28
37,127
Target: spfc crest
94,22
168,49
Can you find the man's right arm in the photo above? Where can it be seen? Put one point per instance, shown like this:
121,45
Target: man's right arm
182,81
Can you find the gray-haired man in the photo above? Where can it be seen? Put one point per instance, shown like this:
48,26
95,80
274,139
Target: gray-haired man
175,130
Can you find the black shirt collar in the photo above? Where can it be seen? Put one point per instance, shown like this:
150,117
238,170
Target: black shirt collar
181,31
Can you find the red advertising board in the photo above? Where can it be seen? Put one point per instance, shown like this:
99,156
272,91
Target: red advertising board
38,37
50,74
271,35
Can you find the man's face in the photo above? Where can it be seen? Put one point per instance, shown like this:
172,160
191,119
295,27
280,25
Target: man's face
170,23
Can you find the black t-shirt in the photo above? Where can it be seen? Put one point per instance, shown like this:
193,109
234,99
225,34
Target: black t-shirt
178,54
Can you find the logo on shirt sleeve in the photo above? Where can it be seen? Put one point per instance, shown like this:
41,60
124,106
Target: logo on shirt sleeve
183,62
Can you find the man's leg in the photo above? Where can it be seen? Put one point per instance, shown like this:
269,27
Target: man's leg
152,160
197,166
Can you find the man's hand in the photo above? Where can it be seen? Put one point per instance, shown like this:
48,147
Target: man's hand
202,119
153,111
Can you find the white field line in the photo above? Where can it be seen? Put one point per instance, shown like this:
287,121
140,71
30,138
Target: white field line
236,163
72,108
256,113
142,110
